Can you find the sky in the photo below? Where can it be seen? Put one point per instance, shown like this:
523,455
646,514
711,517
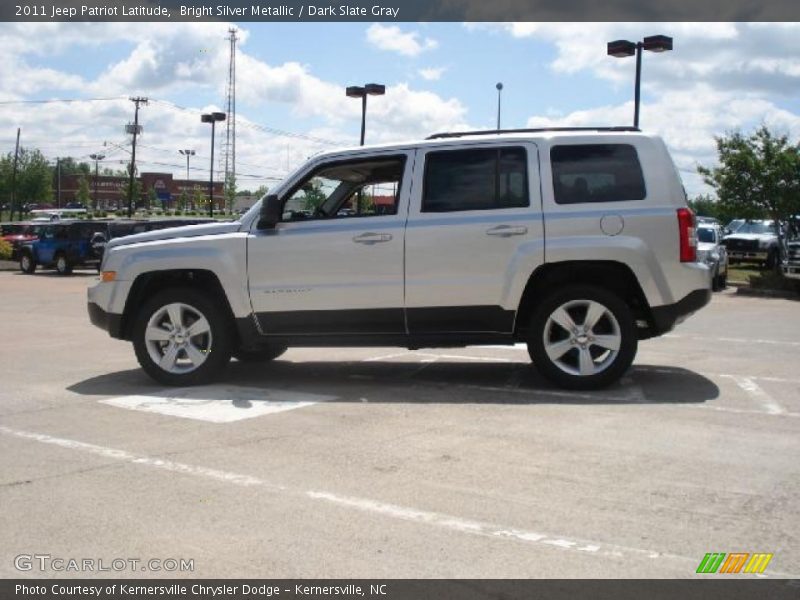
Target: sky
291,78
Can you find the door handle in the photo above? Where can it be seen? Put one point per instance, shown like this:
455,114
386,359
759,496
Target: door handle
370,238
507,230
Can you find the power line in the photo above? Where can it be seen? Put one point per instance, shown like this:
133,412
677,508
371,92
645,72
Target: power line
60,100
264,128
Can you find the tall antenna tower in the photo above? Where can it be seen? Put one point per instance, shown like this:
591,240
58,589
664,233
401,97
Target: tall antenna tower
229,150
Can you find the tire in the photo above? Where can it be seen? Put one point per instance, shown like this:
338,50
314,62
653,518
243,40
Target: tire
63,267
27,264
195,358
259,355
772,259
602,365
716,281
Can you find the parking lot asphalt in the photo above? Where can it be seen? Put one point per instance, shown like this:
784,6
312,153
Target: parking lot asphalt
385,463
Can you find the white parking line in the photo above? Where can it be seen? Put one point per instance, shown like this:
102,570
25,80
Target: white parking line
217,403
757,393
730,339
365,505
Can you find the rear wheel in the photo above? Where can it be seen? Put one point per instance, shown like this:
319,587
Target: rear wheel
63,266
27,264
260,354
181,337
582,337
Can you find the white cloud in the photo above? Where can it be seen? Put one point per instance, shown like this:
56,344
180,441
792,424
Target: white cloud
432,73
688,120
393,39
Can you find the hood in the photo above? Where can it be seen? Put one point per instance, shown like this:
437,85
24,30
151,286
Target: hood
176,232
751,236
706,246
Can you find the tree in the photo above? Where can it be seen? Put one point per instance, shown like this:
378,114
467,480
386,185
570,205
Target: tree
230,192
34,177
708,206
757,176
183,200
199,199
83,191
313,195
137,193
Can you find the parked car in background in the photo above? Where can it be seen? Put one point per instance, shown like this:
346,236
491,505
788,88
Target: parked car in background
62,246
733,226
122,227
17,234
754,241
791,265
711,251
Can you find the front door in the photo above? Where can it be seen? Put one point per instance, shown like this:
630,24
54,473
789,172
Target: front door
334,264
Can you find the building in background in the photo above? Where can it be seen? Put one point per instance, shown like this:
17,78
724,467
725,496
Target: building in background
157,190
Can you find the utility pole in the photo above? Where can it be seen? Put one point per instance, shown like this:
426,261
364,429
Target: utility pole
14,181
58,182
134,129
96,158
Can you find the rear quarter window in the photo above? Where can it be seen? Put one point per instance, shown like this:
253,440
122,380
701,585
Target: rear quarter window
587,173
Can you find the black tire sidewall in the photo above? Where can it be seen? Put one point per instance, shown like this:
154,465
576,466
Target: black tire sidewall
31,262
621,312
220,331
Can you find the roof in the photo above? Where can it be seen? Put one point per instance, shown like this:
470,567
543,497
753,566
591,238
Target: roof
457,137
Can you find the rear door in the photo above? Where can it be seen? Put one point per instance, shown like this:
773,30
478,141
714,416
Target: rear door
475,221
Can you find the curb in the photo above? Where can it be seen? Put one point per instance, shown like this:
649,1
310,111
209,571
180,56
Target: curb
755,292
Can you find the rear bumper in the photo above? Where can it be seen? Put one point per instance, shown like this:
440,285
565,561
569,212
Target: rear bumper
110,322
667,316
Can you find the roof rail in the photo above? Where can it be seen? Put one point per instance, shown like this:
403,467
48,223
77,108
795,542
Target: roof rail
455,134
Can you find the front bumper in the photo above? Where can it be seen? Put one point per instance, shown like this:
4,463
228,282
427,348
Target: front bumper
666,317
748,255
791,271
110,322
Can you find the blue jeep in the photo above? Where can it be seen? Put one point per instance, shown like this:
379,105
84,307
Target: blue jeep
63,246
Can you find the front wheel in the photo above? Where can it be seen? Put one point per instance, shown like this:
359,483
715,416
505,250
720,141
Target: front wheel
582,337
26,263
181,337
63,267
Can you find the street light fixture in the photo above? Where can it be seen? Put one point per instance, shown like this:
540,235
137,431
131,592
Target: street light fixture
370,89
212,118
96,158
624,48
499,87
188,154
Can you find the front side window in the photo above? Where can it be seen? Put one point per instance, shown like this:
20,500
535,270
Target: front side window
596,173
480,179
349,189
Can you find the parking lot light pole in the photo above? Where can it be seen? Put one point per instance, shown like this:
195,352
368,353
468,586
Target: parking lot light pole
96,158
499,87
188,154
624,48
212,118
371,89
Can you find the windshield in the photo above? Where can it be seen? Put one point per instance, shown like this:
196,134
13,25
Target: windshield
706,235
757,227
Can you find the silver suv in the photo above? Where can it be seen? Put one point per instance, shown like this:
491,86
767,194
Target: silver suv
576,241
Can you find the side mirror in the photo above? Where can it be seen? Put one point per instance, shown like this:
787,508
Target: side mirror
270,214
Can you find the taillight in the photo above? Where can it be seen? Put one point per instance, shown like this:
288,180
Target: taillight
688,235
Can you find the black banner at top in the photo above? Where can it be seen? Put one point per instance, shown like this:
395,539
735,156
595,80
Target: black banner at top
399,10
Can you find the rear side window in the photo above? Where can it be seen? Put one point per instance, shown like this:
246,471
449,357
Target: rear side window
596,173
481,179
